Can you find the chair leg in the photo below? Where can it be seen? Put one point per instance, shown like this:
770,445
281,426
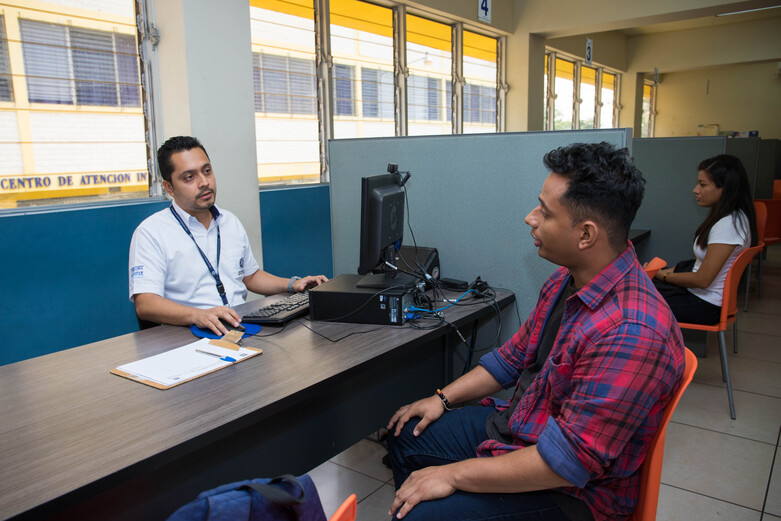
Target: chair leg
725,372
759,275
735,336
748,283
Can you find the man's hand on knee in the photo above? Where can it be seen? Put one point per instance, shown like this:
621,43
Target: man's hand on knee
423,485
428,410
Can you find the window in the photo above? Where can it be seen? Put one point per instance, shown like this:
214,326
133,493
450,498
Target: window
424,97
563,88
73,127
363,81
286,124
377,93
362,49
344,98
608,110
649,109
6,88
69,65
480,88
429,60
578,96
588,97
479,107
284,85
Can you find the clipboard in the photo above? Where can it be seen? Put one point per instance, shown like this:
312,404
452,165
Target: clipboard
182,364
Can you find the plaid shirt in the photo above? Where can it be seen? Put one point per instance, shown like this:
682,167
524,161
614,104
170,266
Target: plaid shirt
598,400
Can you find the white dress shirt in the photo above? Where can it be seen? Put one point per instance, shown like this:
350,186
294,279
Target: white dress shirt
732,229
164,259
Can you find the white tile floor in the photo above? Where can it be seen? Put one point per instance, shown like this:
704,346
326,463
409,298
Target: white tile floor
715,468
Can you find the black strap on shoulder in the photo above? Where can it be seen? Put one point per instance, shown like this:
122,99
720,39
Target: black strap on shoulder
277,495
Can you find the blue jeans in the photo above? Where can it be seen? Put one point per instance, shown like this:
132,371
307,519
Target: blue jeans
455,437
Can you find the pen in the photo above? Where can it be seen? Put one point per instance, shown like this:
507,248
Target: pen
223,358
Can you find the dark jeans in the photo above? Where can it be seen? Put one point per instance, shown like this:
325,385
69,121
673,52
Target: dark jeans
686,306
455,437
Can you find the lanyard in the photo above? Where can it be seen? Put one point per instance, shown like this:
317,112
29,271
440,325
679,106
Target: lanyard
214,273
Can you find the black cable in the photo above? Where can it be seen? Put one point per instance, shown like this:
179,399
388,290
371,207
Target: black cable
341,338
258,335
515,305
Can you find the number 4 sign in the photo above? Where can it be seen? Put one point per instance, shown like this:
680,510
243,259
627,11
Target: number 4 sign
484,10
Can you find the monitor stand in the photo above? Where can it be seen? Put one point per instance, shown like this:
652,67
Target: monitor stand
385,281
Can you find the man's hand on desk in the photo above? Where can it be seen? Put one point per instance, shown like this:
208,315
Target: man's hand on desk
428,410
210,319
308,282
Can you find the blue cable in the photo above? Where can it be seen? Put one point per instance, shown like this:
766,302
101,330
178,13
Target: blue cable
413,308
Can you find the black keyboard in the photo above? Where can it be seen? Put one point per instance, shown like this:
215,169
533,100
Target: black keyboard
280,312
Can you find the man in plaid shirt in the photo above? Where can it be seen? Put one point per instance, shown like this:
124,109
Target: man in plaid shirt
593,367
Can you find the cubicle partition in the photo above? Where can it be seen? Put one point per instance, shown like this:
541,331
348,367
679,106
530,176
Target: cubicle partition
768,168
64,271
669,210
468,196
747,150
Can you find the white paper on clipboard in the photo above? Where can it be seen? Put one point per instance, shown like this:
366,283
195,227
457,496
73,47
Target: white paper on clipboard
184,363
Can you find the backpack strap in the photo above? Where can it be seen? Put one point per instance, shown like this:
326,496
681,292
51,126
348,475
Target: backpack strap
277,495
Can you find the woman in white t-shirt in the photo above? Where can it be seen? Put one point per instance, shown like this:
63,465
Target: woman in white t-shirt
694,292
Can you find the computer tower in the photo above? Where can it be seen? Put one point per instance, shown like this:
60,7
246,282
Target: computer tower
341,300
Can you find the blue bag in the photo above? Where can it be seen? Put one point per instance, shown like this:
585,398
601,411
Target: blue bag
284,498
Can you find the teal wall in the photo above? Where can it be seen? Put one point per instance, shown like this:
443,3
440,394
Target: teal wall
64,272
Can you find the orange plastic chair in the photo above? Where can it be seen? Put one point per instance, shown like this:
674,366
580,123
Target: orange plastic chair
729,315
651,471
347,511
777,189
761,210
654,265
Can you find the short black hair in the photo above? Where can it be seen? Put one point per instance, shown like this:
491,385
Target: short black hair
604,185
172,146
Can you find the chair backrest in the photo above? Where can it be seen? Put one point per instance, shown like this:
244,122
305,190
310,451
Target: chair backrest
347,511
777,189
654,265
651,471
729,303
760,209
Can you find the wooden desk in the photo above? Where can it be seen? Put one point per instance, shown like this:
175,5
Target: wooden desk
79,443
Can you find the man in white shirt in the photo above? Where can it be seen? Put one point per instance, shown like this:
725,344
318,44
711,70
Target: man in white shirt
190,263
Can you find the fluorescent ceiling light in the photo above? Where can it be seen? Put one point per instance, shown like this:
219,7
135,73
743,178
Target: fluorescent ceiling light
750,10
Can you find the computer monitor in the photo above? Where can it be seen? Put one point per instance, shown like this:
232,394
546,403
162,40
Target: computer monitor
382,229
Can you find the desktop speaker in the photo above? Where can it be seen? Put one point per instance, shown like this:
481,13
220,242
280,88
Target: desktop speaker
415,259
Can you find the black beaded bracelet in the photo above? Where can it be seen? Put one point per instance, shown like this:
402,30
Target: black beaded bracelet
444,399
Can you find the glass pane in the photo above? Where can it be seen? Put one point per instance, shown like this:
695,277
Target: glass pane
362,46
429,62
46,62
283,58
377,93
608,98
588,96
6,88
644,122
78,134
93,67
344,99
562,119
545,96
127,71
480,87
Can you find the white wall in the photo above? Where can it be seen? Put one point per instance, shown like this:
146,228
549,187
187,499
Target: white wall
739,98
